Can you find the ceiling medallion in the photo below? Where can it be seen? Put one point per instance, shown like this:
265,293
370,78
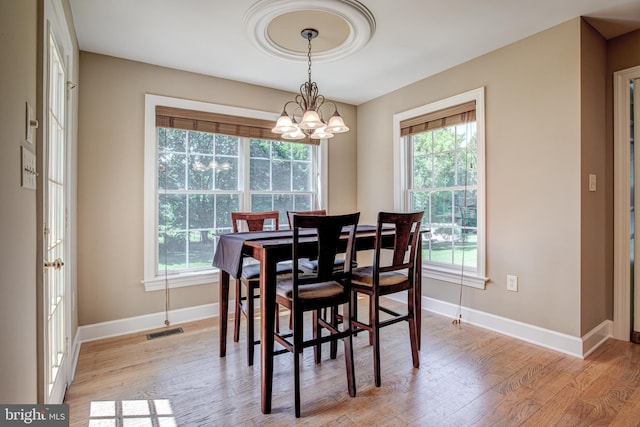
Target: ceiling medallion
274,27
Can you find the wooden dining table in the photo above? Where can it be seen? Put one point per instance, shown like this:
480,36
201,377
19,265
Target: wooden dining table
269,248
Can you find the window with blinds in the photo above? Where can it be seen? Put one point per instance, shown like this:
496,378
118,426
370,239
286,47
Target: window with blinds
442,152
205,164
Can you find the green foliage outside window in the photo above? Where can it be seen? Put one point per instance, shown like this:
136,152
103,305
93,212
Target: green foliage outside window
444,186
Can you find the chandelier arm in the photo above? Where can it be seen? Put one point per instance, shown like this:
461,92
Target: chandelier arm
284,109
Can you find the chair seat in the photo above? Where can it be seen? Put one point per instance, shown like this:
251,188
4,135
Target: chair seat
252,271
312,265
364,276
309,291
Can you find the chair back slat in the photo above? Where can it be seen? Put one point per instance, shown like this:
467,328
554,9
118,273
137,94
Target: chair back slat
254,220
405,240
331,231
290,214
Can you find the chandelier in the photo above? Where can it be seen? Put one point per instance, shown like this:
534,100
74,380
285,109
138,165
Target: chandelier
308,105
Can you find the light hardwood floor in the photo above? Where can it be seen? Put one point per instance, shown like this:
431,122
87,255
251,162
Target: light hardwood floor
468,376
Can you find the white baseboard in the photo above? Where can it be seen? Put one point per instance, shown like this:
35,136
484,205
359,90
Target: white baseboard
596,337
573,346
149,321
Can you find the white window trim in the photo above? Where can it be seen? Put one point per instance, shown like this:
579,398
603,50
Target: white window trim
453,274
157,282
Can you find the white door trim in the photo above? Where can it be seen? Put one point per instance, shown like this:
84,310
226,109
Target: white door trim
622,214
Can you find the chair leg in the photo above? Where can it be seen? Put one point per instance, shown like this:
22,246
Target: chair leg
373,311
296,367
333,349
374,318
297,354
348,350
353,307
236,323
317,332
413,330
250,324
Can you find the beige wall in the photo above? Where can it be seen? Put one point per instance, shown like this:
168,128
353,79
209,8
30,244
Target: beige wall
533,148
597,263
18,365
110,187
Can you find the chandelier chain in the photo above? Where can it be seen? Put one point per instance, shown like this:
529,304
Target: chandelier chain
309,37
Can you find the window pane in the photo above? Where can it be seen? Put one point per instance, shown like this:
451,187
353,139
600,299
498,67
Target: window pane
441,204
225,204
443,170
422,167
420,201
281,150
171,171
227,171
261,202
466,210
172,209
422,144
172,140
302,202
281,175
301,176
301,151
200,172
441,250
172,251
260,148
260,174
283,202
201,211
200,142
466,248
201,247
227,145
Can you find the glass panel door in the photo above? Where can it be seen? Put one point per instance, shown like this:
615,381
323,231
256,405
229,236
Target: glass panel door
55,304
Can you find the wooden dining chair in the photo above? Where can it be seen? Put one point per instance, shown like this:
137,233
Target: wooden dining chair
326,288
392,271
306,263
250,277
311,265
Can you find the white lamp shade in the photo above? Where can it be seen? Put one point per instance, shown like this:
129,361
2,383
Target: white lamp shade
336,124
284,124
321,133
296,134
311,120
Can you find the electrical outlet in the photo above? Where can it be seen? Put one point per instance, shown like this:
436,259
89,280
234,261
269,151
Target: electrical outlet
512,283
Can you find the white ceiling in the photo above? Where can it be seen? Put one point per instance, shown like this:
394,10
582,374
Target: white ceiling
413,39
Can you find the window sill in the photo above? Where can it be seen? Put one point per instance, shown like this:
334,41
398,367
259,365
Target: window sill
471,279
173,281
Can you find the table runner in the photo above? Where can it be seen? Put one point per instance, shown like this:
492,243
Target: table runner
228,256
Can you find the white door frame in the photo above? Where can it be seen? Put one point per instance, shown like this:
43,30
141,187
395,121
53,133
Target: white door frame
622,215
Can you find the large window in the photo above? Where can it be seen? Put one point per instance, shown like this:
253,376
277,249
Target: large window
440,170
200,166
